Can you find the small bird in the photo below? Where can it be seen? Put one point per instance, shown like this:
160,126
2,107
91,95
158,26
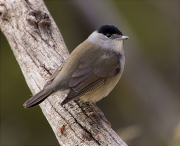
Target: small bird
92,69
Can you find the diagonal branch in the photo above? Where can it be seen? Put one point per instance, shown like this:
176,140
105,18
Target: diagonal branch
39,49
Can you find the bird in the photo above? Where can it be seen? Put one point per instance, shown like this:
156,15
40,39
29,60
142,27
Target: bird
92,70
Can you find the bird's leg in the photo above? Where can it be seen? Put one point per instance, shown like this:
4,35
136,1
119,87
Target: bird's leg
98,112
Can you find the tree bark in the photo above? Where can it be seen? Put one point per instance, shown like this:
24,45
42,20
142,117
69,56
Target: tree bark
39,49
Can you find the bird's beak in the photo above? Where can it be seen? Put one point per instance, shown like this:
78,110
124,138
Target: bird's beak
123,38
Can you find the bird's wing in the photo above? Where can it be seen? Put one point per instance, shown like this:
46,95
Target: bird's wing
89,77
53,76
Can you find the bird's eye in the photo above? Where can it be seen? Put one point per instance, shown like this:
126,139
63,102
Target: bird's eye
108,35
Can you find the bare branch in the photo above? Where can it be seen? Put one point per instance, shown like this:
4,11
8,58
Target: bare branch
39,49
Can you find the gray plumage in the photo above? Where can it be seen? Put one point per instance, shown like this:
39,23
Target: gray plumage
91,71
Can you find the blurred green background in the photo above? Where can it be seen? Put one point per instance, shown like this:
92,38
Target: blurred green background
143,108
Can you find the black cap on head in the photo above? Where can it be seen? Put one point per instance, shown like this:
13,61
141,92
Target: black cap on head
109,29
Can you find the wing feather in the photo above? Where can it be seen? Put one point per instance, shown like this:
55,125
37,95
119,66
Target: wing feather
72,94
92,73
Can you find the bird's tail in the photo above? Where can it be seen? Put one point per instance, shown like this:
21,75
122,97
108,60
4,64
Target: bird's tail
37,98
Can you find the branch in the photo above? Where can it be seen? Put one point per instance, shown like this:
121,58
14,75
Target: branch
39,49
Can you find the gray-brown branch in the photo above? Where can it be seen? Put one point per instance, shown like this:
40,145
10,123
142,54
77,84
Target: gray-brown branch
39,49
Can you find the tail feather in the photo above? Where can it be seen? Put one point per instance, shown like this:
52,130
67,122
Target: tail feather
37,98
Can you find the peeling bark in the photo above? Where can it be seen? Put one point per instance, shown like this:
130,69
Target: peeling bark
39,49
